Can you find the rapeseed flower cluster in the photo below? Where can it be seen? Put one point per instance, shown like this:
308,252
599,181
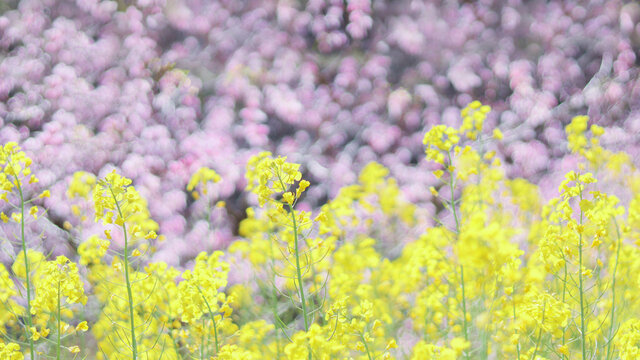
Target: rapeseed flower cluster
200,179
116,202
473,117
10,351
502,273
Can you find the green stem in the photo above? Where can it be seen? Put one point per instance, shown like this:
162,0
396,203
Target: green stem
303,302
452,202
514,323
215,329
366,347
212,317
564,290
274,309
297,255
299,274
613,290
535,351
134,346
274,303
455,217
583,335
426,310
202,342
298,269
58,321
26,268
464,308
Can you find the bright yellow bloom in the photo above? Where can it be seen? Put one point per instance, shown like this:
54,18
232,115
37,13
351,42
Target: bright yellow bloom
61,279
473,117
117,201
267,176
14,164
81,185
438,141
82,326
201,178
7,287
33,211
198,292
10,351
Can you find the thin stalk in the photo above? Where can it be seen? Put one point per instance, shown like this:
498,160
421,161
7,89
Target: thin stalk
26,268
202,342
485,335
298,269
464,308
58,321
212,317
564,291
514,322
426,310
305,314
274,309
452,205
176,348
535,351
583,335
274,302
206,344
215,329
303,302
366,347
134,345
613,290
452,202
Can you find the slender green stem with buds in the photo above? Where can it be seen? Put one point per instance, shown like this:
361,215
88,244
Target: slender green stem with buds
452,205
296,240
134,345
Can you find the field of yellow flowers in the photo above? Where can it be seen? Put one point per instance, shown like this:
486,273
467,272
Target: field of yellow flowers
502,274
